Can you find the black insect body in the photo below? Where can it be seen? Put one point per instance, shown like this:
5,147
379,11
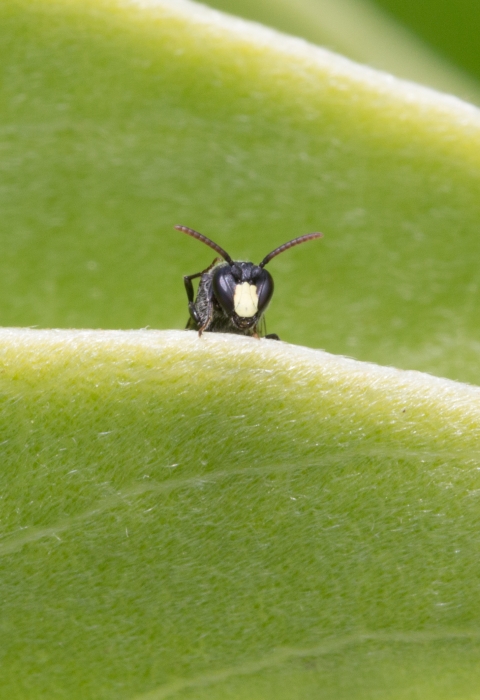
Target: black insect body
232,296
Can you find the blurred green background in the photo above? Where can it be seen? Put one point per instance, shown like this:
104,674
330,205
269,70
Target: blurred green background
451,27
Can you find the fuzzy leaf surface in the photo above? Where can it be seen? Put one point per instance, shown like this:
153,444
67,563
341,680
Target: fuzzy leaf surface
223,517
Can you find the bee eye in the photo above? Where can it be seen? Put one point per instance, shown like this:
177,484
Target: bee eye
264,284
224,287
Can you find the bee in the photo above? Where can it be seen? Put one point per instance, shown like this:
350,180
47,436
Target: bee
232,296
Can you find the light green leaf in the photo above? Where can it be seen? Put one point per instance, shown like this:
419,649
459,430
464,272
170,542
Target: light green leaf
223,517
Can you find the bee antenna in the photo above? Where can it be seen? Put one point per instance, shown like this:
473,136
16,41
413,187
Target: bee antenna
207,241
290,244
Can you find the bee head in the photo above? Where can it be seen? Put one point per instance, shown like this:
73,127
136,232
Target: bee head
243,290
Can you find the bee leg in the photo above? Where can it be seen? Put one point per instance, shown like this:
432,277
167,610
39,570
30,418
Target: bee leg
272,336
193,320
209,315
187,280
205,291
194,317
192,307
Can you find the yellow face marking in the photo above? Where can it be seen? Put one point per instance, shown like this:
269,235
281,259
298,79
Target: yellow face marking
245,300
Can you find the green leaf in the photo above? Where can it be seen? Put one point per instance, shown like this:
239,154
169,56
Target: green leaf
225,517
120,121
222,517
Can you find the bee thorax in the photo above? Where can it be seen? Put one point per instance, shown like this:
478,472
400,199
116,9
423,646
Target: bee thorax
245,300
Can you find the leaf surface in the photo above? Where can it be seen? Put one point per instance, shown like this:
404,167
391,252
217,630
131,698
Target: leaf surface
222,517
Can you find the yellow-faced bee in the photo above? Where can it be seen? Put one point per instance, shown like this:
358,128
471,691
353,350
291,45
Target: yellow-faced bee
232,296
